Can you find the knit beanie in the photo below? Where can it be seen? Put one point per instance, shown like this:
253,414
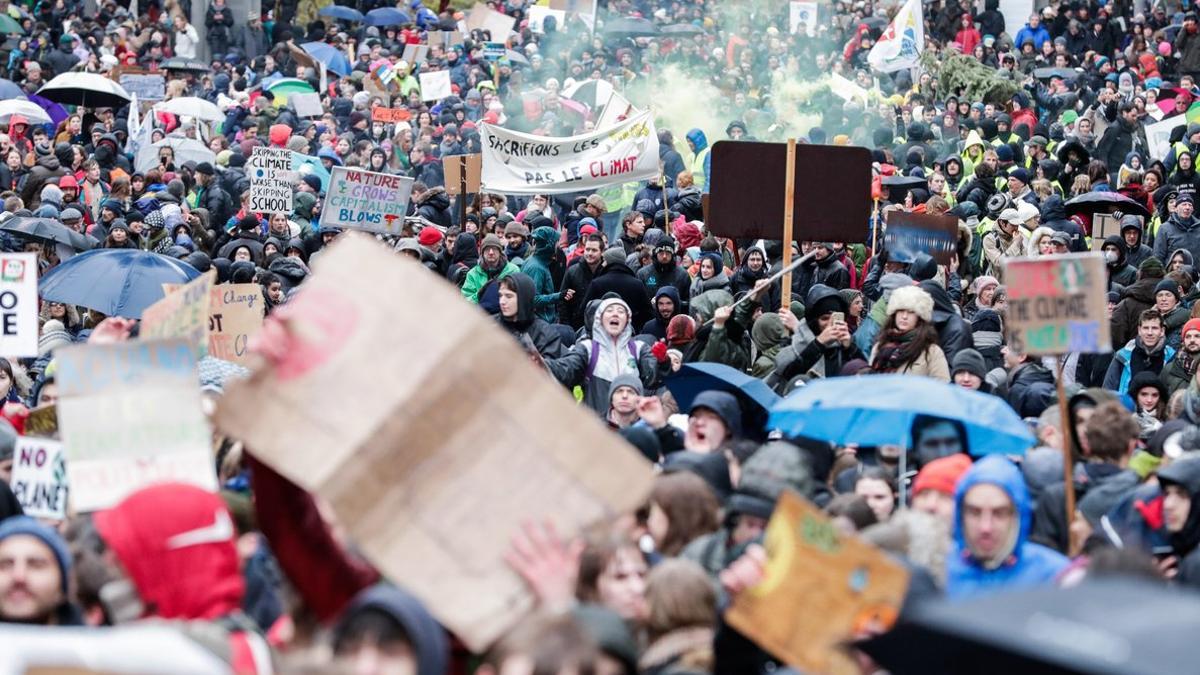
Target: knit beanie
491,240
614,255
1151,268
942,474
1169,286
970,361
516,228
54,335
913,299
1192,324
17,525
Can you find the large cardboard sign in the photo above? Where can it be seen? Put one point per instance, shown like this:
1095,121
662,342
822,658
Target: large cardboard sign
821,588
272,180
365,200
18,305
396,450
516,163
130,416
498,24
1057,304
832,196
435,86
908,234
456,167
182,313
39,477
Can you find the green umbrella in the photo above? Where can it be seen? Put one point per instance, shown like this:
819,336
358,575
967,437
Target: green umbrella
285,87
9,26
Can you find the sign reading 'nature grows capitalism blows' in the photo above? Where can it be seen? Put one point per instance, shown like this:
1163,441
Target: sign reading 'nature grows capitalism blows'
366,200
515,163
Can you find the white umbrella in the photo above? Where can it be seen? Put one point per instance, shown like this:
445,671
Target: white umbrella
192,106
86,89
27,109
186,150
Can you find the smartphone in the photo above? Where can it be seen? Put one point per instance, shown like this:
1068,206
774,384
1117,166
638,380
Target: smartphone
838,317
1161,552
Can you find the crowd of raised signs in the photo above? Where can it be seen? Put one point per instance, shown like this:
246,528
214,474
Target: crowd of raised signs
1076,133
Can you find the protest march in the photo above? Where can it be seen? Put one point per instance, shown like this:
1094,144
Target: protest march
614,337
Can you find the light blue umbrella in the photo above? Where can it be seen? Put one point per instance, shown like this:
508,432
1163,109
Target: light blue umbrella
303,164
115,281
335,61
880,409
755,398
386,16
339,12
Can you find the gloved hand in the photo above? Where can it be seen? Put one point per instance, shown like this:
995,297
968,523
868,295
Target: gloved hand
659,350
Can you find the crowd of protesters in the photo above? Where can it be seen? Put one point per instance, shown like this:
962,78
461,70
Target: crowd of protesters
614,290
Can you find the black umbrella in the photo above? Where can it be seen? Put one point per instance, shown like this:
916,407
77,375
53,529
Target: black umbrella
47,230
904,181
1104,202
1101,627
1047,73
186,65
682,30
631,27
877,22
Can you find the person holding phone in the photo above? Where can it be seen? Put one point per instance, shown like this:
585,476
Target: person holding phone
908,342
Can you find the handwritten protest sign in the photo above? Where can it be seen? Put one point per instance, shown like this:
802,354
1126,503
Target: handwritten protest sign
130,416
1105,225
382,114
307,105
435,86
415,55
42,422
1057,304
182,314
39,477
498,24
539,14
235,316
18,304
516,163
147,86
453,170
365,200
398,457
911,233
272,180
820,589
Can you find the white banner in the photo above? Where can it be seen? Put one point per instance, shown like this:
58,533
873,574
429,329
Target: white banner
365,200
18,305
902,42
272,180
515,163
1158,134
39,477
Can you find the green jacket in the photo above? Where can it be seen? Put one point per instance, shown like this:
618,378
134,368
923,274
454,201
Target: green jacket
537,267
477,279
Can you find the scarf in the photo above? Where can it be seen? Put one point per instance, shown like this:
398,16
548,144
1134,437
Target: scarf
895,353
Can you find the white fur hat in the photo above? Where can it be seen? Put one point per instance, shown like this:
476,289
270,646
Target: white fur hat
912,298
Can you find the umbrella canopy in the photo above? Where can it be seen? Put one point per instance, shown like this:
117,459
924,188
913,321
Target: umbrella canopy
9,25
516,57
186,65
386,16
85,89
192,106
30,111
1104,202
682,30
284,87
47,230
594,93
331,56
114,281
880,410
631,27
904,181
755,398
339,12
186,150
1069,74
10,90
1100,627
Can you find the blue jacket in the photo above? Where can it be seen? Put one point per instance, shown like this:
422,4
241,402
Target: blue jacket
1038,35
698,139
1120,373
1029,565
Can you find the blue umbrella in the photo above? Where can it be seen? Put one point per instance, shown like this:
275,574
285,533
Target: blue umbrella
339,12
115,281
880,410
9,89
754,396
331,56
386,16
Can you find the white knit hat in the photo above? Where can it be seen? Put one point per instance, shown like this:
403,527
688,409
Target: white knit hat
912,298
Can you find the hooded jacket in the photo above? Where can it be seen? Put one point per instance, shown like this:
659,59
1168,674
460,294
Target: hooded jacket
1174,233
434,206
1120,272
1137,298
429,643
1186,474
542,335
658,326
657,276
954,333
464,257
1054,216
701,160
302,211
1133,359
598,359
537,267
806,354
1027,566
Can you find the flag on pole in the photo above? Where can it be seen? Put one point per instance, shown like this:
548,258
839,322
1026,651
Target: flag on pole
901,44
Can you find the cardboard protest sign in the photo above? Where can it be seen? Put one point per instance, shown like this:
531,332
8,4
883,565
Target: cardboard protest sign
1105,225
365,200
498,24
147,86
182,313
539,14
397,454
821,588
39,477
908,234
1057,304
235,315
414,55
435,86
516,163
307,105
453,169
272,180
18,304
832,196
382,114
130,416
42,422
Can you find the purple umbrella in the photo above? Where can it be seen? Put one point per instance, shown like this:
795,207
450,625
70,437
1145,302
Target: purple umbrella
56,111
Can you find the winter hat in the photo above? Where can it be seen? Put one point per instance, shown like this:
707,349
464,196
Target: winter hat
492,240
913,299
1170,286
1192,324
681,330
54,335
1185,198
429,236
70,213
625,380
724,405
1151,268
1020,174
204,168
970,361
665,243
68,181
775,467
313,181
51,194
982,283
516,228
614,255
893,280
17,525
942,474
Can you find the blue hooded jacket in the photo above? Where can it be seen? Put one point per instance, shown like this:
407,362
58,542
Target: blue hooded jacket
1029,564
697,137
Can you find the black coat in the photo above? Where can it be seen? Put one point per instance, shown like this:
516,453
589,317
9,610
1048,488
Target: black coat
578,278
618,278
655,277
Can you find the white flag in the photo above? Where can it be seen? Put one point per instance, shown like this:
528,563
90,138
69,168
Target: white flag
901,44
133,123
